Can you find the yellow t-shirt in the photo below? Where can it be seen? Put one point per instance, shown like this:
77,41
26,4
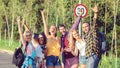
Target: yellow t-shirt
53,47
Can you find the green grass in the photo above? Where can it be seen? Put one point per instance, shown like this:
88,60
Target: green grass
109,62
4,44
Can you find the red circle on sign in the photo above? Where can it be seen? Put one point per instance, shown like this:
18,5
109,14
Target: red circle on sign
82,6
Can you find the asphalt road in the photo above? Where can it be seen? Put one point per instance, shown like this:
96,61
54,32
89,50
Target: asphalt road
6,60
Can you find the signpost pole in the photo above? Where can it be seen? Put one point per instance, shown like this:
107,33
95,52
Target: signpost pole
80,25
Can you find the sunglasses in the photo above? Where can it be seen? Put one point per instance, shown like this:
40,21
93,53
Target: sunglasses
28,35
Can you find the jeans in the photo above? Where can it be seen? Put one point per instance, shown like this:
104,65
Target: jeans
92,61
53,61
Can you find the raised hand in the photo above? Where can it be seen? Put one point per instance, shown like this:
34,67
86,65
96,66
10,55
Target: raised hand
45,24
42,12
43,15
81,12
95,9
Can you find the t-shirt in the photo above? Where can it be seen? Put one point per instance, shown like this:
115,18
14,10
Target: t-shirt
39,52
81,47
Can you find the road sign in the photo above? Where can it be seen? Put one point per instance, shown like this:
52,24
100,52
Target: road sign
78,7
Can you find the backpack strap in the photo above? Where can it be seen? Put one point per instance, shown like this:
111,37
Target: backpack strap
26,47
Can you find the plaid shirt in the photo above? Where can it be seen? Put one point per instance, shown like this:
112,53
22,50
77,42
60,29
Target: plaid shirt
92,41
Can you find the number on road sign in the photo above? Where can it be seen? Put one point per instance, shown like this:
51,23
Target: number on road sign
79,7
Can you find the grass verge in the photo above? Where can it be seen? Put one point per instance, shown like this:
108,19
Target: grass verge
9,45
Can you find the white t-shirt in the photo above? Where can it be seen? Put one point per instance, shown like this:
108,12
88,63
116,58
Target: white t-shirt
39,52
81,47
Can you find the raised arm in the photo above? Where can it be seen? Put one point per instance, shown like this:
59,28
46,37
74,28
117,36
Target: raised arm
75,25
20,31
95,10
25,26
45,24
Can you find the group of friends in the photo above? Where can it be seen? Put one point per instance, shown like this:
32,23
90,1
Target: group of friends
73,49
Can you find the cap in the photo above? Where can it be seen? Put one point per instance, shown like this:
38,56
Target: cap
40,36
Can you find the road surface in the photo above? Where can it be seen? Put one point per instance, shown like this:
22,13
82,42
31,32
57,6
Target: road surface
6,60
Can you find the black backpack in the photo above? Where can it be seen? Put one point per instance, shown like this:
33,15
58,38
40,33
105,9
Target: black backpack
103,42
18,56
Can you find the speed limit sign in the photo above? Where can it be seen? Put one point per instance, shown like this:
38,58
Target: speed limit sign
79,7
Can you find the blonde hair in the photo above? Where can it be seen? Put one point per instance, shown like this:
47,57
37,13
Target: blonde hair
72,39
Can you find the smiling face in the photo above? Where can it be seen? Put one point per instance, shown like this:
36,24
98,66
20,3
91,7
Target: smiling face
62,30
53,30
28,36
85,27
41,40
75,34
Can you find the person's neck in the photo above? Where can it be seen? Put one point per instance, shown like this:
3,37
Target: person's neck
79,40
65,34
53,36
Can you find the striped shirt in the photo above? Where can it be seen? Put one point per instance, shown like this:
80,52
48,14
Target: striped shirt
92,41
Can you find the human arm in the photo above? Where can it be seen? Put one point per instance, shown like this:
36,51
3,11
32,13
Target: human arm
20,31
45,24
25,26
75,25
93,29
95,10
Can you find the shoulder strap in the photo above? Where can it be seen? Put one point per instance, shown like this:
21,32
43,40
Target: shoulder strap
26,46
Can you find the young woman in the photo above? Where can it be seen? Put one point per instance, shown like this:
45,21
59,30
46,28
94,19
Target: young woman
30,53
52,45
37,42
77,41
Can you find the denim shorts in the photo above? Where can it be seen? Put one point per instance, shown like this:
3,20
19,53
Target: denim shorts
53,61
82,60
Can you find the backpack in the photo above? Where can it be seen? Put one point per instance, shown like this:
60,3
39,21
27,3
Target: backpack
18,56
103,42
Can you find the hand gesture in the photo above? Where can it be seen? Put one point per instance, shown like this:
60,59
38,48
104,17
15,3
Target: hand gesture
42,12
43,15
95,9
81,12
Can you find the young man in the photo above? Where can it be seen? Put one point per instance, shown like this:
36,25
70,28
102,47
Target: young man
69,60
92,41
